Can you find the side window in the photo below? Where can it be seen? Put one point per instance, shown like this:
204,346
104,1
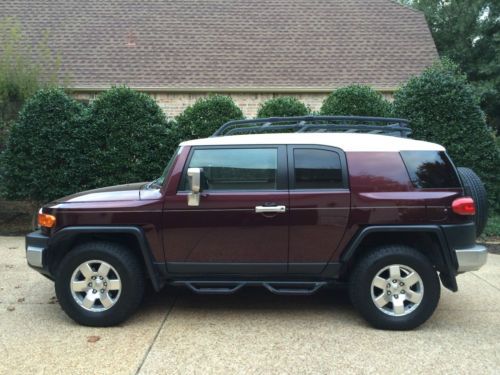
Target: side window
236,168
317,169
430,169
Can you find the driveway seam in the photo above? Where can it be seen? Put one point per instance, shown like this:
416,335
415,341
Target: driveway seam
486,281
156,335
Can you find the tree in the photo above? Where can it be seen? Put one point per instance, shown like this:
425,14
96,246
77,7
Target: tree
443,108
356,100
283,106
43,159
468,32
21,77
205,116
128,137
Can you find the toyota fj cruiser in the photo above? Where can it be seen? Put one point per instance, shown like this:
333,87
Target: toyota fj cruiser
291,204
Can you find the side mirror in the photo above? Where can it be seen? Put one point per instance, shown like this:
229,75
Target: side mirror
194,175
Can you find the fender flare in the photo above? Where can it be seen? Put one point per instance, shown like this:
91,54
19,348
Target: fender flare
448,269
68,233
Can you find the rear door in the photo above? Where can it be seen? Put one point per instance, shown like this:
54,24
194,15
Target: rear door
241,223
319,205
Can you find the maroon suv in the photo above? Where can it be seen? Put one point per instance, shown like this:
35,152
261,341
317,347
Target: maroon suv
291,204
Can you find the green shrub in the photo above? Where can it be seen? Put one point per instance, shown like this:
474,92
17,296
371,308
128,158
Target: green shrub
443,108
205,116
129,137
283,106
43,158
356,100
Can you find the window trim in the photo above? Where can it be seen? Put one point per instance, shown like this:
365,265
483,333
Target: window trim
281,169
291,167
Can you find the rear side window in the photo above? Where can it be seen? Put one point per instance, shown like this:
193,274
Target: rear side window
430,169
317,169
236,169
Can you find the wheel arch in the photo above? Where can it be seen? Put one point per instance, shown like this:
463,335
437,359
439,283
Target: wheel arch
428,239
131,237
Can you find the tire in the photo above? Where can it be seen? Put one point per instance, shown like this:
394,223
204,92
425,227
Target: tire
123,284
364,294
474,188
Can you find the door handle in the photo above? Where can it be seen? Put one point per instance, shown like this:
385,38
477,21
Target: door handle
270,209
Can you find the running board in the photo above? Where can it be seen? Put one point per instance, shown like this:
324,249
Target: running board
230,287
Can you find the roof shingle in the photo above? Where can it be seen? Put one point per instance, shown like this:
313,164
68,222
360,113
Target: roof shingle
238,44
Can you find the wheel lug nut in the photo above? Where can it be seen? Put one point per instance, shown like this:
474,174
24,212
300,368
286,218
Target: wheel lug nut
102,290
105,284
89,285
93,277
394,281
101,277
396,296
402,283
388,286
94,291
388,293
403,292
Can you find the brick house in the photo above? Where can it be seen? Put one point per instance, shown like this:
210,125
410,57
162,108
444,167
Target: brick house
180,50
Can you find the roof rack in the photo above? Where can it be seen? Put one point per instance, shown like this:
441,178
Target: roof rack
317,124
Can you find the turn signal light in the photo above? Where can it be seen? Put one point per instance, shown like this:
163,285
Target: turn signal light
46,220
464,206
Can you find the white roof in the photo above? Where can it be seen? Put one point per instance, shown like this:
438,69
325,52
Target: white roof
350,142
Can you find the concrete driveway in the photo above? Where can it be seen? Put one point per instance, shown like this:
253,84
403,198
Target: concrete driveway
252,332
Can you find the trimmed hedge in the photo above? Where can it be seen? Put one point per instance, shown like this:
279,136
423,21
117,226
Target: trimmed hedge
129,137
443,108
356,100
283,106
43,159
205,116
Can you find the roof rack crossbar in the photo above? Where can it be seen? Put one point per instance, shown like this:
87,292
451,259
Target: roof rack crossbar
316,123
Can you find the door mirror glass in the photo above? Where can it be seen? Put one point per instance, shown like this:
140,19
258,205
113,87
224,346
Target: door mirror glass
194,175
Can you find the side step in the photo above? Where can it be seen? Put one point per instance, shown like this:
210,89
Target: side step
230,287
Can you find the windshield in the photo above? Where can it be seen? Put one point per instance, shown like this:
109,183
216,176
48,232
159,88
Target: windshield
159,181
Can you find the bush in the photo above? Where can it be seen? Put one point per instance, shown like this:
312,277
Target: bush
282,107
356,100
204,117
442,108
129,137
43,158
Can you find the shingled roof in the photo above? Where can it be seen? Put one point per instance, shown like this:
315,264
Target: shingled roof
230,44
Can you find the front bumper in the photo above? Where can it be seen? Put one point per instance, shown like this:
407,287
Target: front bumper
36,250
471,259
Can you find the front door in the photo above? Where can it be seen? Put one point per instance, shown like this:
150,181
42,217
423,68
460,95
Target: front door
241,222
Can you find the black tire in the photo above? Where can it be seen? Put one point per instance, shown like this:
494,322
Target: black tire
474,188
127,266
370,265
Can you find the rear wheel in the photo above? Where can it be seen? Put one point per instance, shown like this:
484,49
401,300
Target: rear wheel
395,287
100,284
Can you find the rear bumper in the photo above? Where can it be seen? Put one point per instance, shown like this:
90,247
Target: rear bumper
471,259
37,245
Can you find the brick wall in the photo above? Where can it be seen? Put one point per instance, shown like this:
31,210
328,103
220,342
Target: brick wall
175,103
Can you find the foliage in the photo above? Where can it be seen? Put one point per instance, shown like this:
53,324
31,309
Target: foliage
129,137
492,227
20,77
204,117
283,106
442,108
44,159
356,100
468,32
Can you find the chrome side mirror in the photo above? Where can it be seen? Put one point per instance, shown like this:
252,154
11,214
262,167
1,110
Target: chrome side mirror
194,175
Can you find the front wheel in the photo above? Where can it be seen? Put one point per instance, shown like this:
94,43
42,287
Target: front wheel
100,283
395,287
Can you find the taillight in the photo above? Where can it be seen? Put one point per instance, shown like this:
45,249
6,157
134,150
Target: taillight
464,206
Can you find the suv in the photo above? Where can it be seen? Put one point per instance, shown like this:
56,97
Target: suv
291,204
